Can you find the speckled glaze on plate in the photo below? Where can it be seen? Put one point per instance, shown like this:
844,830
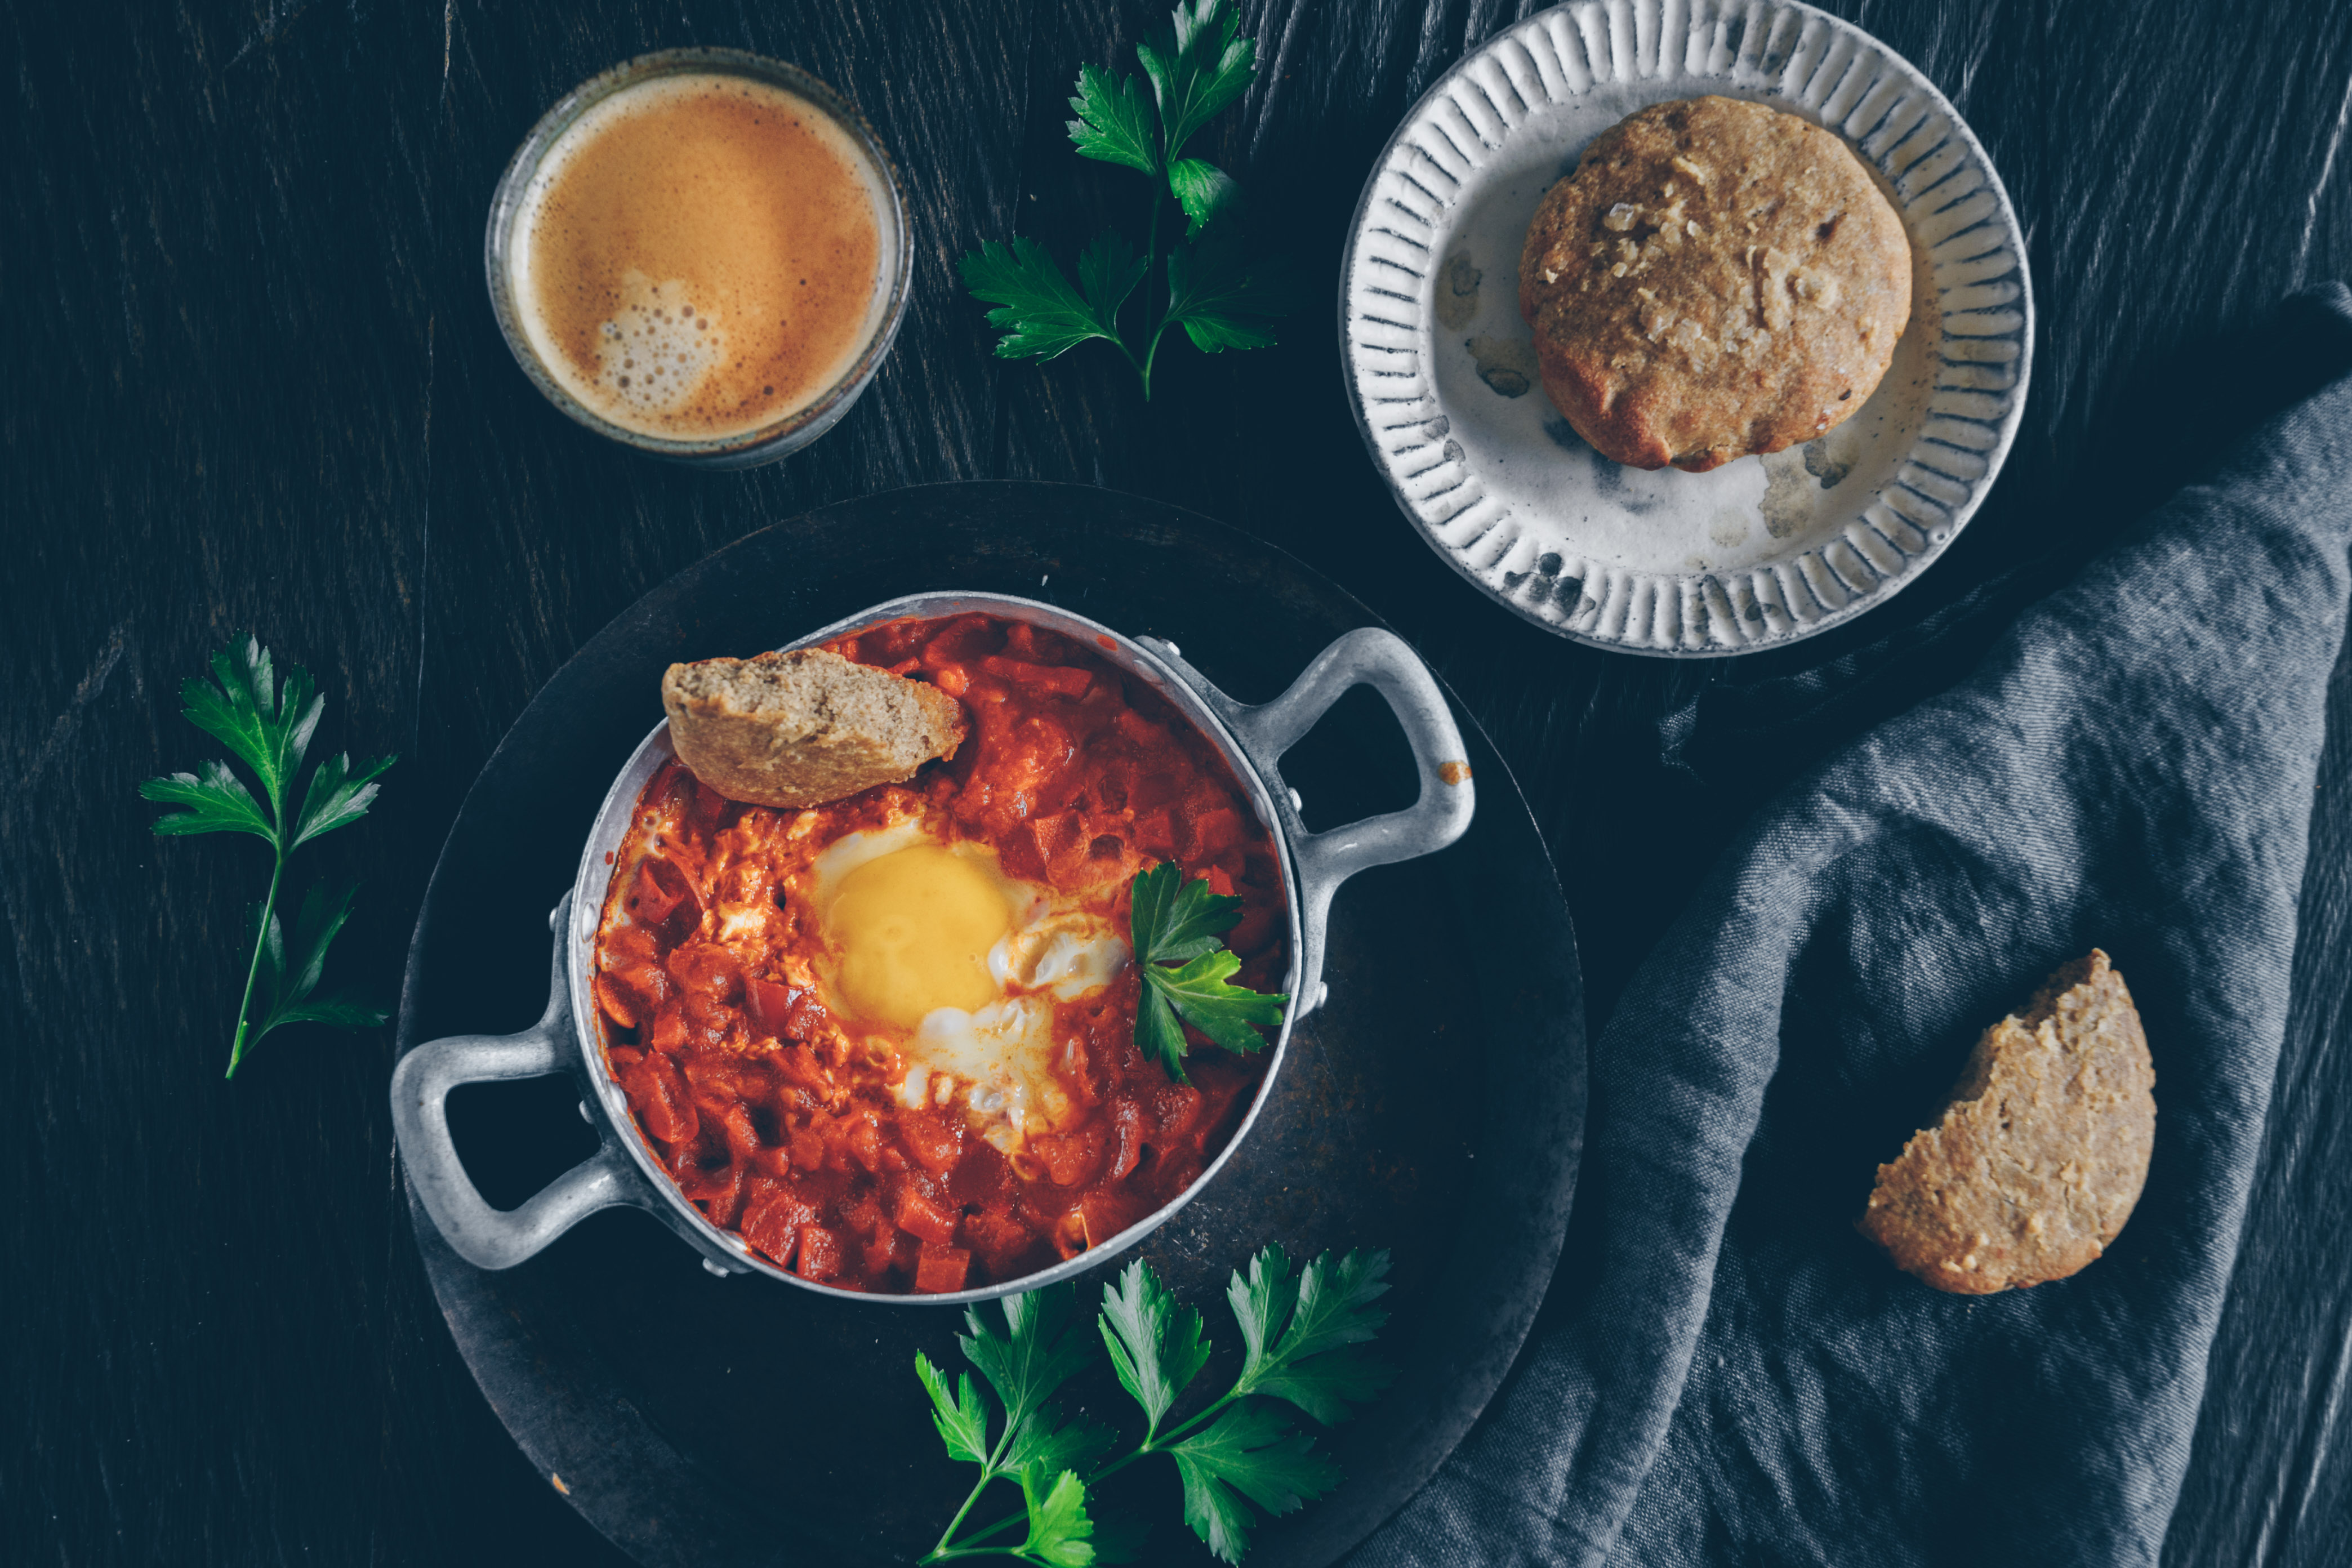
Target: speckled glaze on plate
1763,551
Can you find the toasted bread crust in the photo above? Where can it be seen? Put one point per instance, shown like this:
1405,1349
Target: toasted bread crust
1715,278
799,729
2041,1156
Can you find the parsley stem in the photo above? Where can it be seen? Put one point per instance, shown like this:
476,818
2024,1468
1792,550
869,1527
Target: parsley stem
1007,1522
1150,266
989,1471
1149,355
253,968
1120,343
987,1474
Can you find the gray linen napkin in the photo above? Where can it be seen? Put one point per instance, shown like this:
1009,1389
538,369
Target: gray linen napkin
1728,1373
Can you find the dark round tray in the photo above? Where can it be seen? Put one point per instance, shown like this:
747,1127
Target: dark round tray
1435,1107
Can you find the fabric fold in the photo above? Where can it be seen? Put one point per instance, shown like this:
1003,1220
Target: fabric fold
1737,1375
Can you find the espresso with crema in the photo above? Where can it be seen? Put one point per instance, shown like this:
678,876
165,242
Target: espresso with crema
699,256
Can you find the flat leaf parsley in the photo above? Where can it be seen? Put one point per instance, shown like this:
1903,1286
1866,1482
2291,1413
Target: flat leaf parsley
268,721
1197,65
1174,926
1302,1334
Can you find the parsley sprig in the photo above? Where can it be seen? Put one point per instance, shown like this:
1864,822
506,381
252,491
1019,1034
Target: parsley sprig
268,723
1174,926
1303,1337
1197,65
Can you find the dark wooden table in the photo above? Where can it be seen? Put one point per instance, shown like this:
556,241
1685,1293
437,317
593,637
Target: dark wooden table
252,379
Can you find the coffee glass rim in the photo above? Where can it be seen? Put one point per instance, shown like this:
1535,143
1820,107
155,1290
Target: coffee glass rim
803,424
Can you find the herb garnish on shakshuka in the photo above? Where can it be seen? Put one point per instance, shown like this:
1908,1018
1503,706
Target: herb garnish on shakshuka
893,1041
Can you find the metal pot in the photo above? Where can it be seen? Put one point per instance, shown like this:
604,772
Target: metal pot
625,1169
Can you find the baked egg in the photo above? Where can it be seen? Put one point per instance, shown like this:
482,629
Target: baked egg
929,943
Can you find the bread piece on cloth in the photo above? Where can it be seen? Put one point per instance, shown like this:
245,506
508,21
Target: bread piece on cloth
1715,278
804,728
2041,1156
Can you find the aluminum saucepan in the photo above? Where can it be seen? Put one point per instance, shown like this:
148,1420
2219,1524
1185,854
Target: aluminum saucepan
567,1037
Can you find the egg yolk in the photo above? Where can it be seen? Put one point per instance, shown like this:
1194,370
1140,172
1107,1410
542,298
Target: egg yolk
914,928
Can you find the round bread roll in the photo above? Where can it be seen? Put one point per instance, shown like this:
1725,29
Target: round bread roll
1715,278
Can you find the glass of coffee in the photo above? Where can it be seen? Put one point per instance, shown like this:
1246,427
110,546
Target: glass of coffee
702,254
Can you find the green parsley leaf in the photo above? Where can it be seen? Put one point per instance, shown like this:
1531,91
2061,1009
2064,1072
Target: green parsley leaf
337,798
1036,1352
1159,1035
1059,1530
1331,1387
1220,300
1197,67
1174,920
1297,1332
345,1010
1114,123
1205,192
1230,1015
1252,1450
1119,1540
266,723
216,802
1108,270
1263,1303
287,981
1155,1346
1335,1305
961,1416
1042,314
1047,1442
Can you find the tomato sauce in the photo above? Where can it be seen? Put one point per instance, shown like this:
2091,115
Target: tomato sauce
877,1157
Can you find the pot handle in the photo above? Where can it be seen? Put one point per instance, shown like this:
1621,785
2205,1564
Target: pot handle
1372,656
482,1235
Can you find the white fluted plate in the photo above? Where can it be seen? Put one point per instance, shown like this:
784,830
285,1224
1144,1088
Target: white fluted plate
1762,551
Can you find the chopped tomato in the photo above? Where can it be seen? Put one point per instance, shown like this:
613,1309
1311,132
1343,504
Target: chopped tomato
772,1223
617,1006
920,1215
1210,833
1071,1158
1155,835
939,1269
894,1254
770,1005
658,1096
1060,678
652,902
820,1252
705,967
930,1140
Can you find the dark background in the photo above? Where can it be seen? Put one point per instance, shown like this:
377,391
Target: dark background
252,381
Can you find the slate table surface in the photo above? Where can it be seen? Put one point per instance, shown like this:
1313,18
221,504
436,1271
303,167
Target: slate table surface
252,381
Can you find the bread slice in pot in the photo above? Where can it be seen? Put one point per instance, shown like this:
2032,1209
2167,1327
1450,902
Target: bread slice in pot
801,729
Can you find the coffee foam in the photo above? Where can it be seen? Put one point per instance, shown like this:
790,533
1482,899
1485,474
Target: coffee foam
665,230
657,352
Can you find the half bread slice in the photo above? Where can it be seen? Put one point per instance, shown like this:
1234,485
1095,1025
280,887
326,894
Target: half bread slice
801,729
2041,1154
